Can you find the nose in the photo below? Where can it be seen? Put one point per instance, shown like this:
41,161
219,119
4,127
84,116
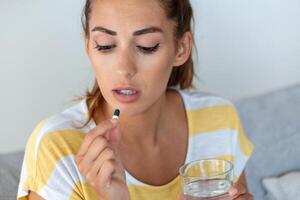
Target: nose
125,66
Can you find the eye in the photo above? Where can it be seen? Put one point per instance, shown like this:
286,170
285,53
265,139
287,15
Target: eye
146,50
104,48
149,50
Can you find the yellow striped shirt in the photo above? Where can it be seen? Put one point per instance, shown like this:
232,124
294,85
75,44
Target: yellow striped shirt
49,168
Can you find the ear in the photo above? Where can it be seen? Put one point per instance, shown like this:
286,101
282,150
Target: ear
184,48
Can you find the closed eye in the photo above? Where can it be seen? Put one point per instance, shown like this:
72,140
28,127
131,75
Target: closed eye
106,48
149,49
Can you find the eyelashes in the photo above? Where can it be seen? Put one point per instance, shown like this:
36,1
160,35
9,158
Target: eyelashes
104,48
146,50
149,49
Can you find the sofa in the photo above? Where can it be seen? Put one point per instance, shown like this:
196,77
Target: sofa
271,121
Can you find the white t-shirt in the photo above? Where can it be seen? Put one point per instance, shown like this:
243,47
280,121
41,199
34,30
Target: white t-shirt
49,167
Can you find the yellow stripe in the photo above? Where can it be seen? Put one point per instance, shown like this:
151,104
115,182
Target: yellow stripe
169,191
229,158
216,118
136,192
53,147
210,119
166,192
83,189
23,198
246,145
29,157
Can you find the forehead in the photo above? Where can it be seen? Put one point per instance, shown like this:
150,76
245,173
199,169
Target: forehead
128,14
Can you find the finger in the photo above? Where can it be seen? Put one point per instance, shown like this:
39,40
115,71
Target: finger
95,150
233,191
114,135
105,174
246,196
100,129
107,154
184,197
237,189
181,197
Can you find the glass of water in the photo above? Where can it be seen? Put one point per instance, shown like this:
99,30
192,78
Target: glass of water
206,179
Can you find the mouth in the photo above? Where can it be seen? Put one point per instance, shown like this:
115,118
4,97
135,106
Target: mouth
126,94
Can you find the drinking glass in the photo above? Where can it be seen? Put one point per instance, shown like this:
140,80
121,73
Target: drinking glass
206,179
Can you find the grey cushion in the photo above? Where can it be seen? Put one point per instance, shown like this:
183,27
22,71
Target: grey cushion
284,187
10,166
272,122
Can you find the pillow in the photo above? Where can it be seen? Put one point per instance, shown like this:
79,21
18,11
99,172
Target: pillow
10,166
284,187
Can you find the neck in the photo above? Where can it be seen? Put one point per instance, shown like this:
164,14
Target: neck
143,128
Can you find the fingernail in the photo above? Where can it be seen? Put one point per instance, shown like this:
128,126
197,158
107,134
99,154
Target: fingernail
114,121
108,184
233,191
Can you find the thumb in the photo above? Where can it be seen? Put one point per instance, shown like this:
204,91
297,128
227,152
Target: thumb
114,135
182,197
233,191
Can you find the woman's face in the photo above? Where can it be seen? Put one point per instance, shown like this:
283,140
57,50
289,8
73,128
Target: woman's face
123,55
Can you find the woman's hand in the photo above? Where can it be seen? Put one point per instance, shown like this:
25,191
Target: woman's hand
98,160
236,192
239,192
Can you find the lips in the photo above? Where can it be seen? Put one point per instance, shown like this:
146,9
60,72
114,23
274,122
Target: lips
125,88
122,98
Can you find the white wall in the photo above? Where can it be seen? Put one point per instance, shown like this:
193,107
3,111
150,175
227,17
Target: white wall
245,48
42,64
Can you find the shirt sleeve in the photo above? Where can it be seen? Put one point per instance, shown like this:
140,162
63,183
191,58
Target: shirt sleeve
242,147
49,167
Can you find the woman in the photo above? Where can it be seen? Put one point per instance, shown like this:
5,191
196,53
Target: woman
140,51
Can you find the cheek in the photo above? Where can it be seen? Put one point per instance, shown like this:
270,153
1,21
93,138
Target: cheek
156,68
101,73
101,65
158,76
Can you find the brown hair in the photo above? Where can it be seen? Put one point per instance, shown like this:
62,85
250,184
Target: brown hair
181,12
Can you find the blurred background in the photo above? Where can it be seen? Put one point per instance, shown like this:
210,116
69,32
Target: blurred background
248,52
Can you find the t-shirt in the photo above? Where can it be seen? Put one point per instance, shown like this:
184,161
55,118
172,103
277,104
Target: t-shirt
49,167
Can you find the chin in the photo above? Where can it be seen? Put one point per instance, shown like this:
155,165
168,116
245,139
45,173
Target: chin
128,110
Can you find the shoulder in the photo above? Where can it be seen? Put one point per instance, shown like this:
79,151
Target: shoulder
209,112
214,125
199,100
49,163
61,132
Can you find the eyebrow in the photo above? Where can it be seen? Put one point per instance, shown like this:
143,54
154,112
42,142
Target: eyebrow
152,29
